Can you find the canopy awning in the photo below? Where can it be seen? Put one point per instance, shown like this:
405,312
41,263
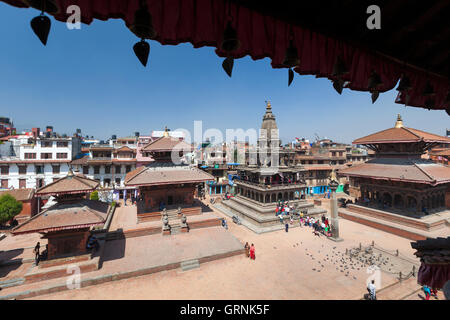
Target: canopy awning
413,41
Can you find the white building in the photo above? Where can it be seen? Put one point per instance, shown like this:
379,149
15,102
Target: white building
108,163
32,161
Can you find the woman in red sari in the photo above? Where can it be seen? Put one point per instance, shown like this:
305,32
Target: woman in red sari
252,252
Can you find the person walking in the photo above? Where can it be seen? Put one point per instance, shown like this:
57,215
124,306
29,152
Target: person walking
36,252
252,252
372,290
286,227
247,249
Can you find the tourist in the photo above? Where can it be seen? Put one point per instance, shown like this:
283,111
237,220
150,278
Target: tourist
372,290
287,210
427,291
291,220
36,252
247,249
286,227
252,252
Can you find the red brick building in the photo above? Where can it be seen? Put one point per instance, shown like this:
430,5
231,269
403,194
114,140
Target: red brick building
29,202
67,224
397,177
163,183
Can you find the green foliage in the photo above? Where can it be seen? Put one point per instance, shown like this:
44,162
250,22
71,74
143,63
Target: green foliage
94,195
9,208
113,204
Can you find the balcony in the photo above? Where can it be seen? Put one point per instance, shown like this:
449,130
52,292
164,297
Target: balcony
264,187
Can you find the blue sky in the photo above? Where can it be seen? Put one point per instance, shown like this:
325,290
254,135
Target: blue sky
90,79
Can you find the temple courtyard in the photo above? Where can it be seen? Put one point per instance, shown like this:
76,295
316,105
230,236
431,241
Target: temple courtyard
292,265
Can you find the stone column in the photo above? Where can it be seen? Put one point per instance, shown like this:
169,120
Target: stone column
334,184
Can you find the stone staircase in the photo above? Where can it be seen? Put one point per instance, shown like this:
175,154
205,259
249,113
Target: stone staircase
190,264
399,290
174,221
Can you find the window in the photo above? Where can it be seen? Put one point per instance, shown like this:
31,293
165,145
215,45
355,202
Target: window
22,169
62,144
118,181
39,169
39,183
56,169
61,155
46,155
333,154
340,154
4,170
22,183
127,169
107,182
107,169
118,169
46,144
96,169
5,183
29,155
320,162
85,169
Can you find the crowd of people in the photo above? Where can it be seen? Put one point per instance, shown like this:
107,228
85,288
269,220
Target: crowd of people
284,210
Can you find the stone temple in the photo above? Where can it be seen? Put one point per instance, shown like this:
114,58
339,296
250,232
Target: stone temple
267,177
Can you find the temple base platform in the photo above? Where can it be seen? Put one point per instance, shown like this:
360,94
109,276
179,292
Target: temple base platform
261,218
432,226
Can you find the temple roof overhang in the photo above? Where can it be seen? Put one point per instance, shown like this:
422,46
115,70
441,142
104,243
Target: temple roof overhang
400,169
150,176
66,216
70,184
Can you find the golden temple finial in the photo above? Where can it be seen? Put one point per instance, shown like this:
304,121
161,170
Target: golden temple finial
268,105
333,175
166,132
70,173
399,122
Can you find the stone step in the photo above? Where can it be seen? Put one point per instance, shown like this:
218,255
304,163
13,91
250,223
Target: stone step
399,290
190,264
12,282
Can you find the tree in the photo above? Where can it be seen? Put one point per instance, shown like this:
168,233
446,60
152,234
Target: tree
94,195
9,208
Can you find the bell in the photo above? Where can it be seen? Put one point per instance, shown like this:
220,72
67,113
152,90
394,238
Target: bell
374,96
290,76
141,50
230,41
291,56
338,85
143,26
41,27
339,68
428,90
405,84
227,65
374,81
49,6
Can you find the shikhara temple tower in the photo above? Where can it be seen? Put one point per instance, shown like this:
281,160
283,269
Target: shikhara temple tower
268,177
398,178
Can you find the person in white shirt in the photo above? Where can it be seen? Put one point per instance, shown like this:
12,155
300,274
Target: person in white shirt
372,290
